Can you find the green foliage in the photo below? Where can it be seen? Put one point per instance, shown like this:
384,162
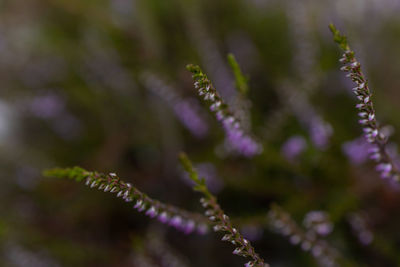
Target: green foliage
340,39
200,183
241,82
197,72
75,173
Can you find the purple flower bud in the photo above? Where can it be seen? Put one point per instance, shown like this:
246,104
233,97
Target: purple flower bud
189,227
88,181
176,221
226,237
202,229
142,208
237,251
293,147
360,106
138,204
357,150
163,217
152,212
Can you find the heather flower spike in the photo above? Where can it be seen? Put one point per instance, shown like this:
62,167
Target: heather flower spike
182,220
239,140
282,222
220,220
187,110
371,129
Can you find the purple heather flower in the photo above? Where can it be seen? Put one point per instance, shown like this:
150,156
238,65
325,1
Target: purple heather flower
47,106
319,222
282,222
187,110
163,217
188,114
293,147
357,150
176,221
360,228
189,227
320,132
138,204
237,139
184,221
152,212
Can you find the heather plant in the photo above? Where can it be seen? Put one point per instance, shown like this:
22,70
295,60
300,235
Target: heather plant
270,128
220,220
240,141
173,216
370,126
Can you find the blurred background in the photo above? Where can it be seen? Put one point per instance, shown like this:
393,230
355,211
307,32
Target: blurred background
103,85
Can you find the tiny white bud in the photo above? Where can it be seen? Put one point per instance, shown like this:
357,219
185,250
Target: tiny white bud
371,116
226,237
114,189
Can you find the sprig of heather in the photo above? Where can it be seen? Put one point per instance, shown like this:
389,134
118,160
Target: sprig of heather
372,132
319,130
182,220
187,110
283,223
239,140
220,220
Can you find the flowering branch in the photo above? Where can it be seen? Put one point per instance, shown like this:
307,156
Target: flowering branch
182,220
187,110
221,221
282,222
371,129
236,136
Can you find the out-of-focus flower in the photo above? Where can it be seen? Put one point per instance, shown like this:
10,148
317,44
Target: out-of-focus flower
356,150
239,141
360,228
318,221
293,147
187,110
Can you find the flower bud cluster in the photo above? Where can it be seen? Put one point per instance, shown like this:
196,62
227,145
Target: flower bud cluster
319,130
360,228
182,220
158,248
282,222
221,221
187,110
319,222
223,224
240,141
371,130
